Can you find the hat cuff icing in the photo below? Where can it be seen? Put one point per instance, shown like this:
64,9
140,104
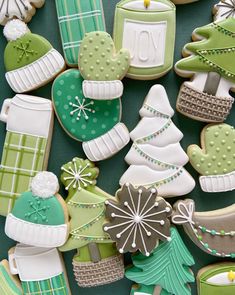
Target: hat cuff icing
218,183
107,145
36,74
102,90
38,235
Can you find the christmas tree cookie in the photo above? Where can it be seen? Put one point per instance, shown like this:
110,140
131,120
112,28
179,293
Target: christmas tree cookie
35,61
152,157
23,10
97,261
215,160
165,271
96,123
212,231
209,61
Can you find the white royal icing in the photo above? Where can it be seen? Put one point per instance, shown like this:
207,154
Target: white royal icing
45,185
15,29
224,9
221,279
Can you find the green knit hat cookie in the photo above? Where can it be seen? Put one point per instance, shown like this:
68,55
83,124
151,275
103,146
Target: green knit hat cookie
35,61
39,217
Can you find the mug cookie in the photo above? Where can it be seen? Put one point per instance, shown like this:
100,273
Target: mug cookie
215,160
152,157
97,261
23,10
209,61
35,61
138,220
160,269
211,231
148,32
96,123
76,18
26,147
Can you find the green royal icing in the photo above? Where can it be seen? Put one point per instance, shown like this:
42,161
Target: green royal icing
7,284
45,211
25,50
98,60
98,117
167,266
217,155
215,53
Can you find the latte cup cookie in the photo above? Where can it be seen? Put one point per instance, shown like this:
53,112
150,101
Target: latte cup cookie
75,21
29,125
95,123
209,62
40,270
147,30
39,217
35,61
102,67
215,160
9,284
212,231
217,279
23,10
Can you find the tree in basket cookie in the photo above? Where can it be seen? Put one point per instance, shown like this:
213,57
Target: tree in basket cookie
165,271
97,261
152,157
35,61
215,160
210,61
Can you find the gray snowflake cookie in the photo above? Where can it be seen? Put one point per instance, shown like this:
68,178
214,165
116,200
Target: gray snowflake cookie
138,220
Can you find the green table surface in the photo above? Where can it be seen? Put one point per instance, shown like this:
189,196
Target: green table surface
64,148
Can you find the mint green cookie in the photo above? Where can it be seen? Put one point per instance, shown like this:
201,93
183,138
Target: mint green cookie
98,59
82,118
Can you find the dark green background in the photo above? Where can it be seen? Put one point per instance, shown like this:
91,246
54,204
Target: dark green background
64,148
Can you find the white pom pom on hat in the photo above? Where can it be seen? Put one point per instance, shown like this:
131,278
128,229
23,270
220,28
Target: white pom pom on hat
45,185
14,29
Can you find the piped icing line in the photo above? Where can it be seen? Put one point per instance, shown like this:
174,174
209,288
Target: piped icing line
81,108
155,111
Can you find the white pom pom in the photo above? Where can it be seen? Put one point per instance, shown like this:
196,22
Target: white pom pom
15,29
45,185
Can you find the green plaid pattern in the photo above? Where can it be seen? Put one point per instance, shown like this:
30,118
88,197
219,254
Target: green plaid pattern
23,156
77,17
53,286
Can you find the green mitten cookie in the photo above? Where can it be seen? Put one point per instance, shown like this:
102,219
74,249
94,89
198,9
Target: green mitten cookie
216,160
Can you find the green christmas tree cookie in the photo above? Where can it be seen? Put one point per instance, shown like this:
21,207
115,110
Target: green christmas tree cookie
210,61
167,267
215,161
97,261
101,67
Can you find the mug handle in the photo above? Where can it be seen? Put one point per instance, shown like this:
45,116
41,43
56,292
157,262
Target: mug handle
12,264
4,110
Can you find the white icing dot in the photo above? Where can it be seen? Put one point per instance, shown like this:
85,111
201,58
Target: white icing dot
133,245
105,228
125,203
168,209
156,204
147,254
153,190
169,239
113,214
106,202
121,250
149,234
162,222
118,236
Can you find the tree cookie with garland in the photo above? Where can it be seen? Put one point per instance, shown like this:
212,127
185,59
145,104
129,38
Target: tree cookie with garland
35,61
217,279
211,231
138,219
215,160
166,271
209,61
20,9
96,123
97,261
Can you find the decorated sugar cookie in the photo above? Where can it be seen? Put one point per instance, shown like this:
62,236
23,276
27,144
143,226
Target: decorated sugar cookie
35,61
209,62
26,147
102,67
212,231
215,160
88,16
138,220
217,279
97,261
147,30
224,9
94,122
9,284
152,157
166,271
23,10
